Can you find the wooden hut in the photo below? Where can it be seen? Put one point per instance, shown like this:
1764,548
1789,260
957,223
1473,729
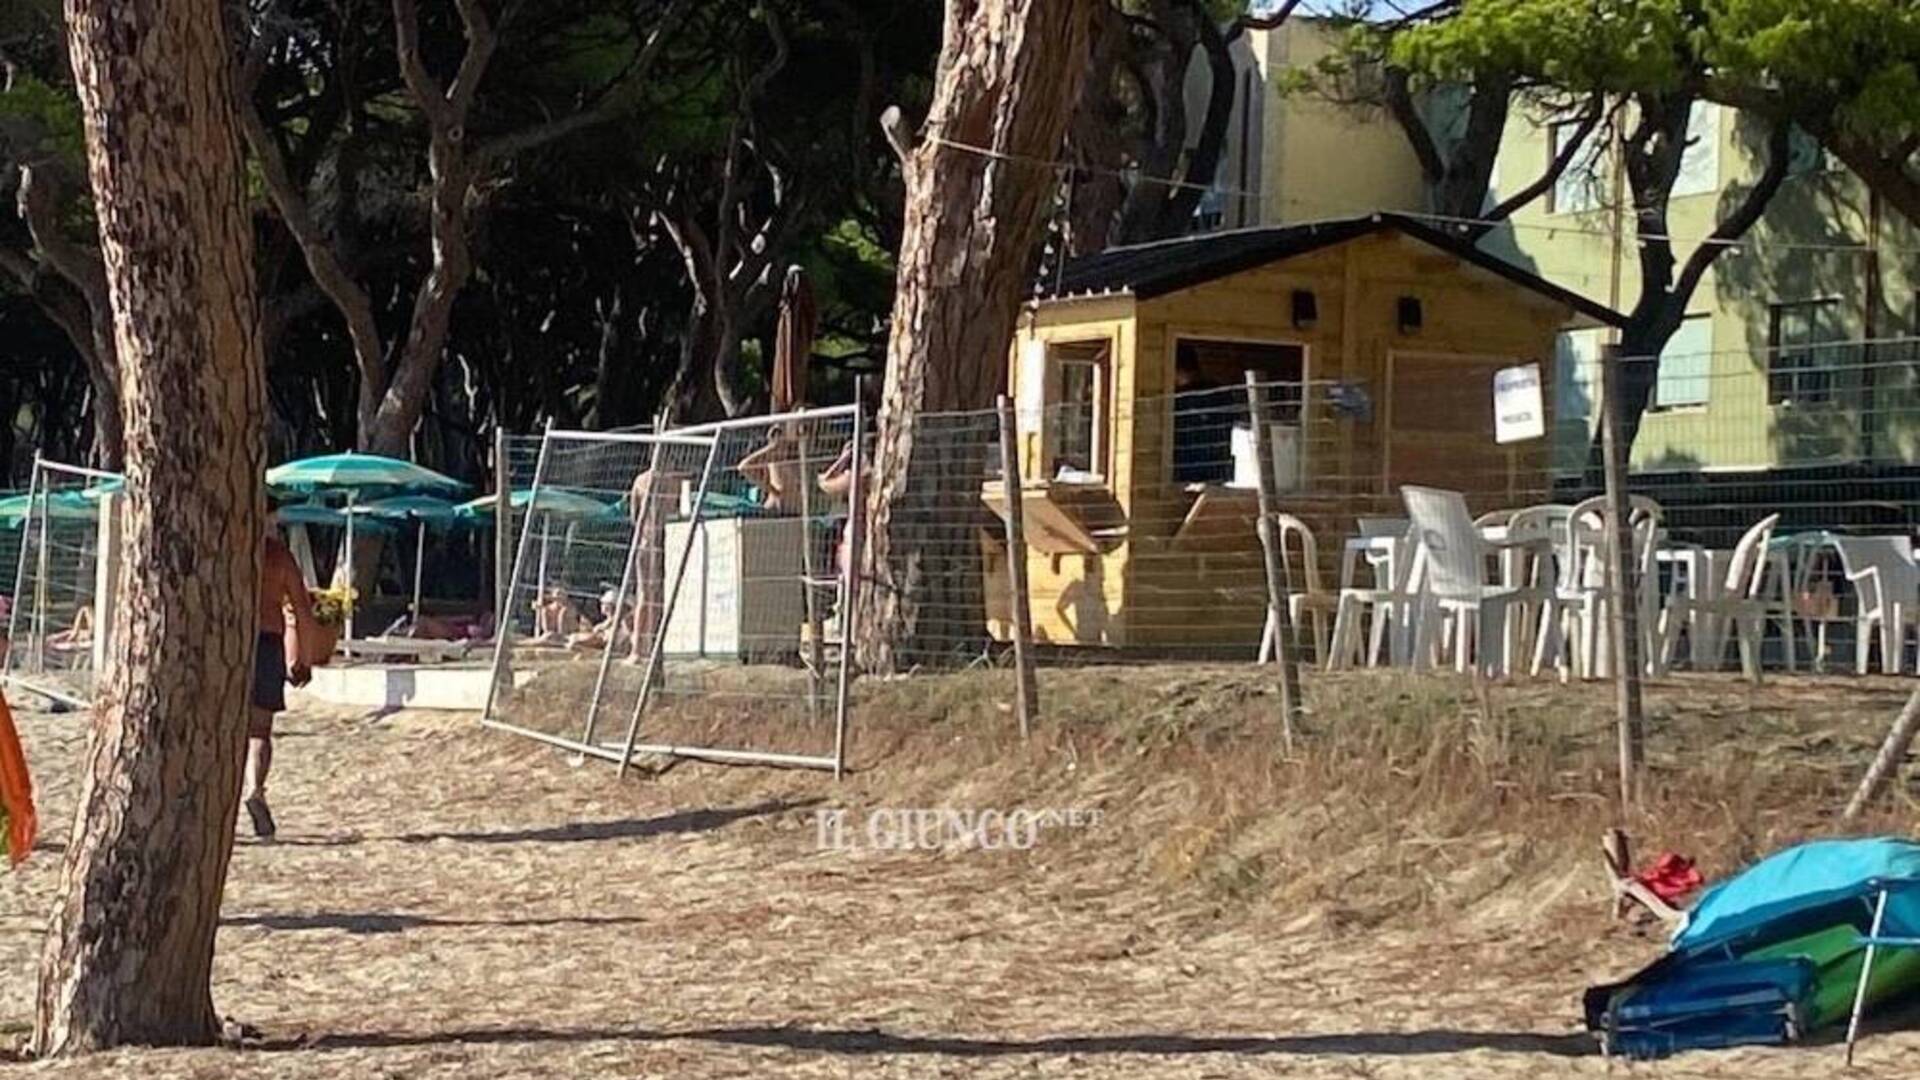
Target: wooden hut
1382,334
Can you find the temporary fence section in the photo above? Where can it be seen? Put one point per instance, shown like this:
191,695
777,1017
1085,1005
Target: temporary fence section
1452,511
651,570
59,611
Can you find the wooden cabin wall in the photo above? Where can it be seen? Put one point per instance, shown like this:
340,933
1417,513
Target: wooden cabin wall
1432,413
1432,421
1075,598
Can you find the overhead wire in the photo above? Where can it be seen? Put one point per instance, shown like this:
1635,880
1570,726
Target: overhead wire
1571,229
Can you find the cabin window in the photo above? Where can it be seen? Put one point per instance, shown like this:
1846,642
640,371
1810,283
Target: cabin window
1081,372
1805,359
1210,399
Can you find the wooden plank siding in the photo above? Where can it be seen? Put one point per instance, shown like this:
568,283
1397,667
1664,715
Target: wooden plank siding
1149,590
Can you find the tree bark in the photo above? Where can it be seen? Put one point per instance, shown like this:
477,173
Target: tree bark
1009,77
129,949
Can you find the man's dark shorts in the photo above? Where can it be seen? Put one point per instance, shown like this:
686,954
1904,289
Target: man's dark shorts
269,683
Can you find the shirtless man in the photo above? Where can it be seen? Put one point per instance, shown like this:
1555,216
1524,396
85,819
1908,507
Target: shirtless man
648,501
281,587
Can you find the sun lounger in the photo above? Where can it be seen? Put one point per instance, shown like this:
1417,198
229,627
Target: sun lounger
417,650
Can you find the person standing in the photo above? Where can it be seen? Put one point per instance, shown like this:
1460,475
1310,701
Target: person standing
282,588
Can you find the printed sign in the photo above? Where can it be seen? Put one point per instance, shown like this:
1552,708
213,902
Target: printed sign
1519,411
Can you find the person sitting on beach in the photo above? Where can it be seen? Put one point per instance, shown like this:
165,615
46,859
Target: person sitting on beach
76,637
600,634
554,618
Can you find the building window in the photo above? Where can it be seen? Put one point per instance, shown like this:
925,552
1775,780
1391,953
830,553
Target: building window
1081,372
1804,352
1576,375
1805,155
1686,365
1582,185
1700,161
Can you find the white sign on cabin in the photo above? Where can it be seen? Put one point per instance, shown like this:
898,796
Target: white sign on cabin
1519,410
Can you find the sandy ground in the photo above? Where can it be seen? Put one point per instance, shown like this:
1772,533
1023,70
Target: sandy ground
445,902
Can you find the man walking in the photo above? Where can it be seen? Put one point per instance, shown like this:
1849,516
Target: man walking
281,587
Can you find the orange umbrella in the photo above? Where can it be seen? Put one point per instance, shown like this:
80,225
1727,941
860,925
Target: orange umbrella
793,341
17,822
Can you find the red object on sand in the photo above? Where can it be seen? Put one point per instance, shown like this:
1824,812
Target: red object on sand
16,792
1671,877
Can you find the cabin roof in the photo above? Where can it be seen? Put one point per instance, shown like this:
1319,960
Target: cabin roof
1155,269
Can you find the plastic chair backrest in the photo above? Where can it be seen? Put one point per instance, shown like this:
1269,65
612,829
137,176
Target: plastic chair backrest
1895,576
1455,556
1749,563
1586,538
1287,525
1546,522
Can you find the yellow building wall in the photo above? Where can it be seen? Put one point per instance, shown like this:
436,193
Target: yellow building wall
1156,590
1792,255
1317,159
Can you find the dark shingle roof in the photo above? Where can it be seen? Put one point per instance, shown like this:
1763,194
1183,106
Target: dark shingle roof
1150,270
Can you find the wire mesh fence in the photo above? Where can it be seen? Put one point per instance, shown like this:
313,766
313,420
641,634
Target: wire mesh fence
54,622
652,568
1140,516
1406,532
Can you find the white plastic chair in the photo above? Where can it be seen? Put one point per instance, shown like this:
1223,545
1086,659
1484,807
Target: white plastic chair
1735,599
1307,601
1455,586
1887,583
1574,641
1388,601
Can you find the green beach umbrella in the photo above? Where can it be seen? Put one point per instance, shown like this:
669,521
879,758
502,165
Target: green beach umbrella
357,472
312,513
556,502
354,473
570,507
422,510
58,506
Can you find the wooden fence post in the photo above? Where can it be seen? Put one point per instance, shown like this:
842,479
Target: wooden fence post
1623,592
1277,613
1887,762
1027,704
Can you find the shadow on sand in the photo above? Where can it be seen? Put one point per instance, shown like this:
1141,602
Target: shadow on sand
867,1042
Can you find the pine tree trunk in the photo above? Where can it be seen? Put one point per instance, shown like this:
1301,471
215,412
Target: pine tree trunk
129,949
1009,78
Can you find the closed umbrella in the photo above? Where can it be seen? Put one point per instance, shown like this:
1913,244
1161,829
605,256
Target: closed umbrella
793,341
422,510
